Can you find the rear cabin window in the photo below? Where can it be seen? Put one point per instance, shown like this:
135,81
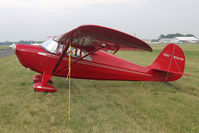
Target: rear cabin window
76,52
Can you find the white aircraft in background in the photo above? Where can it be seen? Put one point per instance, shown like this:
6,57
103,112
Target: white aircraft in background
13,46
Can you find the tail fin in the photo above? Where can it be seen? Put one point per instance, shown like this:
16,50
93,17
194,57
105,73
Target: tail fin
171,61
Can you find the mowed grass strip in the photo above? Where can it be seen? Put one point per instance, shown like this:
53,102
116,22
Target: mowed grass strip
101,106
4,47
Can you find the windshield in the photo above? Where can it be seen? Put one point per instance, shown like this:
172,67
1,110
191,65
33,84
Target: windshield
50,45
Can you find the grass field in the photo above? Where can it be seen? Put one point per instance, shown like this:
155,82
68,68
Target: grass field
101,106
4,47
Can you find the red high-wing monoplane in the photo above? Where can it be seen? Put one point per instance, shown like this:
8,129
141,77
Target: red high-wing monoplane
90,61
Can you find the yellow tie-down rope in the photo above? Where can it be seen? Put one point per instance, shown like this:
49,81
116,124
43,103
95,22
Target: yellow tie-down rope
68,78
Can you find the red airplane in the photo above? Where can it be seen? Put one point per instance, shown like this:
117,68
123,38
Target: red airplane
89,60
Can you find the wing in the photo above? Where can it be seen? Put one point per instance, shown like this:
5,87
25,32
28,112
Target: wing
90,37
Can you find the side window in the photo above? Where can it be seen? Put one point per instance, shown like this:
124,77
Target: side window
76,52
87,57
85,41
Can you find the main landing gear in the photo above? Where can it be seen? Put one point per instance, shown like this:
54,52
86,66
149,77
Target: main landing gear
41,83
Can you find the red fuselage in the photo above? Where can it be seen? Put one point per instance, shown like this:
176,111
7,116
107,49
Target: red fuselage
103,66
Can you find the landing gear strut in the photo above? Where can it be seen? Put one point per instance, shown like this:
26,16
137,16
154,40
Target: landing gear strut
41,83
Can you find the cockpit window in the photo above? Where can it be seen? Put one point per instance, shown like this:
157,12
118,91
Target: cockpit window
50,45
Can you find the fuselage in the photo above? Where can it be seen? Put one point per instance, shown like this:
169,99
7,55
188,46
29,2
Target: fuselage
100,66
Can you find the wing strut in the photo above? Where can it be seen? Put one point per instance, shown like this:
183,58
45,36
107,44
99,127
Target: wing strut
102,46
61,57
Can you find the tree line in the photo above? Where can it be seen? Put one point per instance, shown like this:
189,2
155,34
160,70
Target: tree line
19,42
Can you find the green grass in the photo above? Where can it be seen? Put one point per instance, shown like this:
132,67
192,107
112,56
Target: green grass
101,106
4,47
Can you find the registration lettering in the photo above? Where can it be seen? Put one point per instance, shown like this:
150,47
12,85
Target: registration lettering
178,58
166,55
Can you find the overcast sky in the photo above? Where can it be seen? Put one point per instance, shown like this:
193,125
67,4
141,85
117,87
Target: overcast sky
147,19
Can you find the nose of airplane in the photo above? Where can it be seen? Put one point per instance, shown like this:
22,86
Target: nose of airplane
21,53
20,50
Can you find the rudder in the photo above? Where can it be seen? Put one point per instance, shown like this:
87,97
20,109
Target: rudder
172,61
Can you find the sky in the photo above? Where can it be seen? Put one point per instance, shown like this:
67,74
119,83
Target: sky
145,19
